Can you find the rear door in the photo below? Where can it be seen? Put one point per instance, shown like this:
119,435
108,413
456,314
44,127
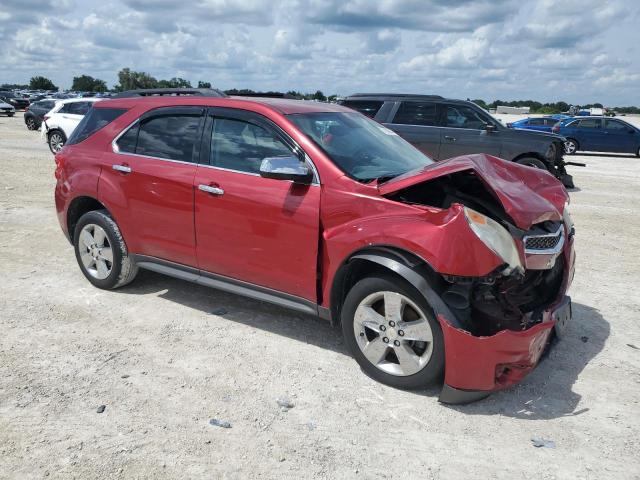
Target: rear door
464,132
258,230
70,115
620,137
148,183
417,123
590,134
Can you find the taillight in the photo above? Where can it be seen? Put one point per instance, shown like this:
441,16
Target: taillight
555,129
26,109
46,117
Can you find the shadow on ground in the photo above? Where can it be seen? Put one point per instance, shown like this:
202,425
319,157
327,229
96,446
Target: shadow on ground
601,154
546,393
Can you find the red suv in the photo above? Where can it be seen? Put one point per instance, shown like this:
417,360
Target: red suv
458,267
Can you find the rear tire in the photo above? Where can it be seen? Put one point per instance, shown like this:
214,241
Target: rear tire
31,124
10,114
101,252
532,162
403,346
56,140
571,146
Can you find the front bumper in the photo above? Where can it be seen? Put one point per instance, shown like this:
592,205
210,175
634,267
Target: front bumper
475,366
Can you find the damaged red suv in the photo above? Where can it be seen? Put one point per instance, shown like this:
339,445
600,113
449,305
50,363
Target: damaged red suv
459,267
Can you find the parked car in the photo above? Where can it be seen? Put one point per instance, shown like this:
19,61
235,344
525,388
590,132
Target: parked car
7,109
61,121
541,124
444,128
599,134
458,267
14,100
34,114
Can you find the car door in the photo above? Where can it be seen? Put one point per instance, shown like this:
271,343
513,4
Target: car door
70,115
147,183
416,122
620,137
258,230
590,134
464,132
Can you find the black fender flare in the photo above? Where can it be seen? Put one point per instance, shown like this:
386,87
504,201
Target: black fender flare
418,281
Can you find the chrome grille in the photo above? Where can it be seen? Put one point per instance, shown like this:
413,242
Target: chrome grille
546,243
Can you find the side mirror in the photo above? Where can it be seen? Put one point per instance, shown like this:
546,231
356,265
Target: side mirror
286,168
490,128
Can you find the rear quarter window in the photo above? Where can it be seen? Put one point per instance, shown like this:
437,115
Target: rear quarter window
96,119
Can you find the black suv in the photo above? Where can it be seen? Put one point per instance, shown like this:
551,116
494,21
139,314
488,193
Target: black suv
12,99
34,114
443,128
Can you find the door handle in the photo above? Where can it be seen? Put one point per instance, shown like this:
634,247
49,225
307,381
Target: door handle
451,139
211,189
121,168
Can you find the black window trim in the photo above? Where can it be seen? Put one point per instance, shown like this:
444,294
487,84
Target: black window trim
441,107
258,120
163,112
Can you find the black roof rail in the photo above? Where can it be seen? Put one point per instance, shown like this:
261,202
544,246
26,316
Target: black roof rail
394,95
152,92
264,95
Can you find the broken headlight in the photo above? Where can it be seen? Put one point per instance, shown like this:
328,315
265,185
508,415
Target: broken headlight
566,218
496,237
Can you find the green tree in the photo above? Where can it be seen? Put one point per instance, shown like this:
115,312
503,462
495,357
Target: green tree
41,83
175,82
319,96
202,84
132,80
14,86
86,83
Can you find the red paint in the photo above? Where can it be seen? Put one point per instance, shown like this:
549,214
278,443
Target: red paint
294,238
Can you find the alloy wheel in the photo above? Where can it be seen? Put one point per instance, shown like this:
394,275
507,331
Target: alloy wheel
31,124
570,146
56,141
393,333
95,250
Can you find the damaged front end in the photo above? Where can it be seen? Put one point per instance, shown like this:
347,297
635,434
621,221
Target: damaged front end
497,325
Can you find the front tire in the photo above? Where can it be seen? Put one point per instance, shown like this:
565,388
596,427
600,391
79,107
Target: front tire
56,140
101,252
571,146
392,333
532,162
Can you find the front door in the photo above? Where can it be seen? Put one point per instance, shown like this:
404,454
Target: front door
464,133
258,230
148,183
619,137
590,135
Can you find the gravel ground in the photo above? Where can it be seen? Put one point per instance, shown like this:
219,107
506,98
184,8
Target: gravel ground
164,364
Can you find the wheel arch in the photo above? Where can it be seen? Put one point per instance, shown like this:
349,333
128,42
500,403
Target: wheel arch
388,260
535,155
77,208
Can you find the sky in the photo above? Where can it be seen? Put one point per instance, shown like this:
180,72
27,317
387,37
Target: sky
579,51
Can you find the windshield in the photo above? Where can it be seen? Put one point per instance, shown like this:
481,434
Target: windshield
362,148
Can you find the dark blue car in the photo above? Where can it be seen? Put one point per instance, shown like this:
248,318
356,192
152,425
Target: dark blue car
599,134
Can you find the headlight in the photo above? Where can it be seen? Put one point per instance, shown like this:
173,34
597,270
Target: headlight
566,217
496,237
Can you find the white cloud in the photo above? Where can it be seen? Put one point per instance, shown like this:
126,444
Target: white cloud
578,50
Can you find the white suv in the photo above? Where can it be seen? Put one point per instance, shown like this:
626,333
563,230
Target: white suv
62,120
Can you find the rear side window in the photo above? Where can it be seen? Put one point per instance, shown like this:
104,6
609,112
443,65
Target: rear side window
368,108
172,137
537,121
615,125
76,108
241,146
416,113
589,123
94,121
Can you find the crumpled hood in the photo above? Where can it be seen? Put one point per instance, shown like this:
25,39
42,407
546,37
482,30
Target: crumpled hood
528,195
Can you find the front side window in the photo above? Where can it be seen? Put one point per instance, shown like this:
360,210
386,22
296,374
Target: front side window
462,116
241,146
172,137
368,108
360,147
615,125
416,113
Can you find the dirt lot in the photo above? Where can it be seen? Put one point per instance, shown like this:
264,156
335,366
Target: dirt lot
164,364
